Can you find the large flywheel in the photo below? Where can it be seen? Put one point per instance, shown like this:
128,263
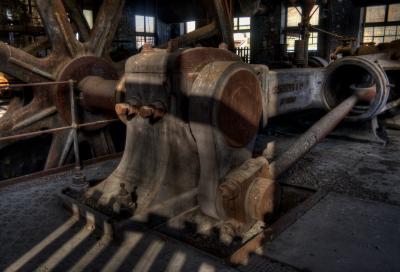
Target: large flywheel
48,106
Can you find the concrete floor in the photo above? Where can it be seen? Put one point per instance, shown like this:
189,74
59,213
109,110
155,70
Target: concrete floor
341,233
36,233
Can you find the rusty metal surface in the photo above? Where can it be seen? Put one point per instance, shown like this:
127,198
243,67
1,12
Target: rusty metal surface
78,69
240,107
343,73
217,155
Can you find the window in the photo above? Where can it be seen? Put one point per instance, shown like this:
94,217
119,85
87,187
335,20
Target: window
88,14
381,24
241,37
145,30
293,19
190,26
241,23
312,42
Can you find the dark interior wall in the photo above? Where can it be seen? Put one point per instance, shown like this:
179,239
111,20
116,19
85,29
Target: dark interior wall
341,17
126,35
338,16
266,31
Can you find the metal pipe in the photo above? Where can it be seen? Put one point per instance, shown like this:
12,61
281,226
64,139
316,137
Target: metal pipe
53,130
312,137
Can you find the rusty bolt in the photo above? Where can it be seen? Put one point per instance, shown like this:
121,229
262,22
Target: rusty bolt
159,113
122,109
146,112
159,110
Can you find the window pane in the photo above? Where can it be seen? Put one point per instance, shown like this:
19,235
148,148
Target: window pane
242,39
390,31
140,40
149,24
190,26
375,14
389,39
394,13
398,30
293,16
313,41
368,32
244,23
235,23
367,39
139,21
379,31
290,39
378,40
315,18
88,14
150,40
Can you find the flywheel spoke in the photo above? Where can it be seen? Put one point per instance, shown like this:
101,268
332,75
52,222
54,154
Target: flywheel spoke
58,27
23,66
13,124
106,25
77,17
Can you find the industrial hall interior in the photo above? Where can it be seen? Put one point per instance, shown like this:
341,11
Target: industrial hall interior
200,135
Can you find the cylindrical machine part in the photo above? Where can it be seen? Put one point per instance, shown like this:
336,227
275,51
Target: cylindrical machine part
341,77
98,93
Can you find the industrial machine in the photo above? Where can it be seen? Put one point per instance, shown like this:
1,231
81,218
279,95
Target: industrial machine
192,117
191,114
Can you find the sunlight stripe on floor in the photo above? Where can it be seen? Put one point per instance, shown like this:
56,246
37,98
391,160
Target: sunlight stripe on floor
130,241
65,249
41,246
176,263
149,257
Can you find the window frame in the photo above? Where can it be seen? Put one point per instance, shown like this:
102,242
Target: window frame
294,30
146,35
243,52
186,26
383,24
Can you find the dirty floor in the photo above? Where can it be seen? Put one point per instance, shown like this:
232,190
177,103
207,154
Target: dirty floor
37,234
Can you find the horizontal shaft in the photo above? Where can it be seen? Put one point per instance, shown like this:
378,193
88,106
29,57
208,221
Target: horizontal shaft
312,137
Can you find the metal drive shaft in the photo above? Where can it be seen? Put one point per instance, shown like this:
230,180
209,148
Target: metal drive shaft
312,137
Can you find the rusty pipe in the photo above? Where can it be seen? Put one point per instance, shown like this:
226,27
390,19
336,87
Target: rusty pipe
201,33
312,137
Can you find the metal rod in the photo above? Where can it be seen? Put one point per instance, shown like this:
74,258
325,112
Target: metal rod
312,137
309,17
66,148
39,84
74,118
53,130
327,32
